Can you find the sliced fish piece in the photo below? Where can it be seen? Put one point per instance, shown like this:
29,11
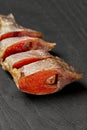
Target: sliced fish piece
20,59
45,76
9,28
14,45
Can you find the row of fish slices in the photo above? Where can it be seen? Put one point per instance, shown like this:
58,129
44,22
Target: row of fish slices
34,71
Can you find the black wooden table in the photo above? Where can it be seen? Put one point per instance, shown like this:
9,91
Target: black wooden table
63,22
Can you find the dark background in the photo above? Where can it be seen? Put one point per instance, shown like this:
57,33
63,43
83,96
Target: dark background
63,22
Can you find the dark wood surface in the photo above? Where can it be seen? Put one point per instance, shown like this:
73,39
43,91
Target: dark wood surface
63,22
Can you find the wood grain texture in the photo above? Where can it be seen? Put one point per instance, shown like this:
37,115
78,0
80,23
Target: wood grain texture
63,22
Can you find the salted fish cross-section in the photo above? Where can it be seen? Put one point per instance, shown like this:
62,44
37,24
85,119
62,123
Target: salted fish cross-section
9,28
44,76
14,45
